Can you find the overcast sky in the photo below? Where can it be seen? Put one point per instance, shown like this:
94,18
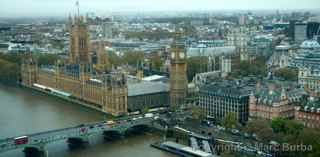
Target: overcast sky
16,8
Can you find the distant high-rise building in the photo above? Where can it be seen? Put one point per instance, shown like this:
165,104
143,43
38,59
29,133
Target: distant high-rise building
243,20
292,24
79,41
300,32
178,74
107,30
313,30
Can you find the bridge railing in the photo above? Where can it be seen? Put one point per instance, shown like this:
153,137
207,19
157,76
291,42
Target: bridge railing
75,131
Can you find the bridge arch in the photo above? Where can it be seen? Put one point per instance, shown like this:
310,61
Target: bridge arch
137,129
111,135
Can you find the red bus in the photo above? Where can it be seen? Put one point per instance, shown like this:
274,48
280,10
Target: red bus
21,140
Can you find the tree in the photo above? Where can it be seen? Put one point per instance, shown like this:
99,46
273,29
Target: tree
311,137
290,127
12,57
230,120
196,65
115,60
132,58
100,68
156,62
257,68
47,59
10,72
293,128
287,74
173,107
145,109
197,113
266,134
278,124
256,125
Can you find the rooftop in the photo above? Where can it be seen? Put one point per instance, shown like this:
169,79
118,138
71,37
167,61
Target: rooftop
153,78
226,89
211,51
147,87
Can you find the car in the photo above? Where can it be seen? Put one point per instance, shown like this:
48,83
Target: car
246,135
148,115
206,123
255,137
221,128
110,122
235,131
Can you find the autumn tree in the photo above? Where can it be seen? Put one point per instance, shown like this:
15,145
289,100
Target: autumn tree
145,109
10,68
287,74
9,71
257,68
197,113
230,120
132,57
196,65
46,59
156,62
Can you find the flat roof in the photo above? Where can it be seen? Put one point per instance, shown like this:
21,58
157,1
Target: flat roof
147,87
153,77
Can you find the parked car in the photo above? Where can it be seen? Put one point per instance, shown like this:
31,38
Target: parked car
221,128
235,131
246,135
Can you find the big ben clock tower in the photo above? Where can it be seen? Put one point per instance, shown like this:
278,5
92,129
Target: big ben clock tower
178,74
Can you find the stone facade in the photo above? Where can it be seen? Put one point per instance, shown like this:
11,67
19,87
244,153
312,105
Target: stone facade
79,41
270,111
178,74
269,103
219,100
107,92
308,116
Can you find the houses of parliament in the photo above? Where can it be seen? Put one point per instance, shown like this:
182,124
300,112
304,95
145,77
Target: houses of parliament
92,83
77,76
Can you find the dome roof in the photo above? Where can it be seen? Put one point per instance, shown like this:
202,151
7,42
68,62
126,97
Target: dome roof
308,44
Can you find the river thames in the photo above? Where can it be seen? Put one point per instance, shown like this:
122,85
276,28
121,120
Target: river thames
24,111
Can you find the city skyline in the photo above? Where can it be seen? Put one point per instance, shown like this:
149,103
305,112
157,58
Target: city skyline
13,8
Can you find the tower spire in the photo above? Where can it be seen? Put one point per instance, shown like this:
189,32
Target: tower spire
78,7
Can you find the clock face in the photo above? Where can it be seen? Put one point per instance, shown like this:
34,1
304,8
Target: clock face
181,55
172,55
